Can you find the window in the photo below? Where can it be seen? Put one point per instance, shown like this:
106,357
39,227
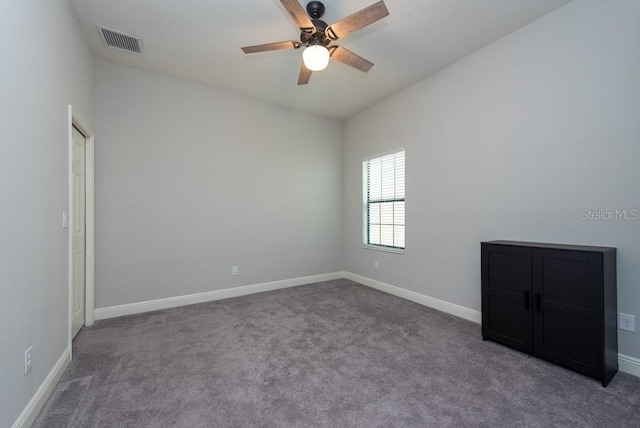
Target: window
383,207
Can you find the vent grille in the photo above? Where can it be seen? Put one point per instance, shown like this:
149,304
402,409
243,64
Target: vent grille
121,41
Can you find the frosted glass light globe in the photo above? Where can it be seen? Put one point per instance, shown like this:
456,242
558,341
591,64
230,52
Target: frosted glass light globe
316,57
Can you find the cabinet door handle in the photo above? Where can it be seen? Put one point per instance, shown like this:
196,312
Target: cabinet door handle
526,300
538,302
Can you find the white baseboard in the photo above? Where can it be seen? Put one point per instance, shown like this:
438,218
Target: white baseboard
432,302
32,409
626,363
208,296
629,365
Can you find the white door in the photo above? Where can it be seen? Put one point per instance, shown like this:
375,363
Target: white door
78,231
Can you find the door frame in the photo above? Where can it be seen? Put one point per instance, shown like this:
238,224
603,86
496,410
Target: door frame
83,127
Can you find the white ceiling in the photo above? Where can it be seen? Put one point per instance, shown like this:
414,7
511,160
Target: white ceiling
200,41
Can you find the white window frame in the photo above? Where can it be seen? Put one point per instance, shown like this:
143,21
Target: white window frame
366,202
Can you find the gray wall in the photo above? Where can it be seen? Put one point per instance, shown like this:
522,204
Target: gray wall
512,142
191,180
46,66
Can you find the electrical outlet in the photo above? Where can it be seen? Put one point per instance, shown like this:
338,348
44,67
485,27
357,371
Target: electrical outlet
234,270
376,264
627,322
28,359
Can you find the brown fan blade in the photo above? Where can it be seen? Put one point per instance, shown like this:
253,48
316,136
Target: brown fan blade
305,75
271,47
354,22
299,16
345,56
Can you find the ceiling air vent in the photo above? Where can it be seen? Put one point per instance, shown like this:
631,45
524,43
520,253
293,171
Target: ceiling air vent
121,41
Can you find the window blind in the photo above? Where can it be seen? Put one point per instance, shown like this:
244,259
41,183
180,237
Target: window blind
384,200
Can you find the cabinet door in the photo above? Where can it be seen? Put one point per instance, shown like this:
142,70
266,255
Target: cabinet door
567,315
506,295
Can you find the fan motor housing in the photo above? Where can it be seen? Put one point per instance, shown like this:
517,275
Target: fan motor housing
317,38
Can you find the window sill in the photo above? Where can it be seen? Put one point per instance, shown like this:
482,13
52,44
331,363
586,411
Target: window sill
384,249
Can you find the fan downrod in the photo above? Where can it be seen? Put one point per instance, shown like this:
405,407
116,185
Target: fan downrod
315,9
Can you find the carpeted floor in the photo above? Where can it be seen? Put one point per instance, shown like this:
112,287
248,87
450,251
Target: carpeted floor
331,354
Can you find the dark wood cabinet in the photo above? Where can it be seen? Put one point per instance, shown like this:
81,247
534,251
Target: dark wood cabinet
557,302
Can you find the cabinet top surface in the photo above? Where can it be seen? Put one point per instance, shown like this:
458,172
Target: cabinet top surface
552,246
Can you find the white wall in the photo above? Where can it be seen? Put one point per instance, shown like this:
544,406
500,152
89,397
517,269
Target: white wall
512,142
191,180
46,66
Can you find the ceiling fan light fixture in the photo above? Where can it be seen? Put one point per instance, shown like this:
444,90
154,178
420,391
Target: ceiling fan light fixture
318,37
316,57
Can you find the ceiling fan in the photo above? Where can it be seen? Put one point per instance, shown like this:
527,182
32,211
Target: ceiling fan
317,37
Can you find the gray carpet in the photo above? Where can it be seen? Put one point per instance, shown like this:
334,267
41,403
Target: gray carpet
331,354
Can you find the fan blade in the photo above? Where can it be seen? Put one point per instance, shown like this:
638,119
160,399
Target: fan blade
345,56
299,16
305,75
354,22
271,47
